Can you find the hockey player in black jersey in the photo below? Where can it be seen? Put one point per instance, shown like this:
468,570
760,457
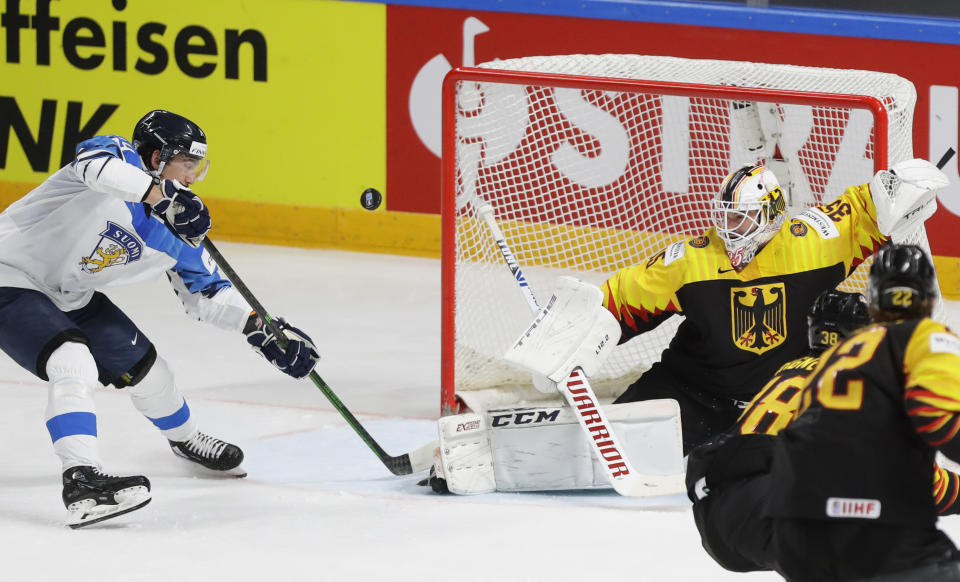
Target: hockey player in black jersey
728,477
745,285
850,480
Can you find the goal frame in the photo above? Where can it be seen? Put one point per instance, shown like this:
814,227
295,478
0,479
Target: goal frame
448,205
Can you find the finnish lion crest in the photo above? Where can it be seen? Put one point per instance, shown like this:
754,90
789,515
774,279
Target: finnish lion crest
116,246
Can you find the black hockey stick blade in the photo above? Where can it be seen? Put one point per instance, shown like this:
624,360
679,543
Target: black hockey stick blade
420,459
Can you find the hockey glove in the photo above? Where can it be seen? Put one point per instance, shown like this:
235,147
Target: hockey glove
183,212
299,356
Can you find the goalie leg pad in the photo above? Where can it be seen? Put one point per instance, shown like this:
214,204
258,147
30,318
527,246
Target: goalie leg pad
544,449
465,458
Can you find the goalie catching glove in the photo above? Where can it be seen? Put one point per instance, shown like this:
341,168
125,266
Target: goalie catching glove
906,195
573,330
183,212
299,356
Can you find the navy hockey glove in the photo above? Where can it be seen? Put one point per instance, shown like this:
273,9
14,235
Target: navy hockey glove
183,211
297,359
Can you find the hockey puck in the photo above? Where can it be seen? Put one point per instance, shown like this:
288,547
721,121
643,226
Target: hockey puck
371,199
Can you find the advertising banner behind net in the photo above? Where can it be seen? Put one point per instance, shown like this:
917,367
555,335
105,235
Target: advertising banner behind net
292,103
425,43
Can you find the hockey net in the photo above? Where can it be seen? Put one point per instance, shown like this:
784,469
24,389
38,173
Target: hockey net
595,162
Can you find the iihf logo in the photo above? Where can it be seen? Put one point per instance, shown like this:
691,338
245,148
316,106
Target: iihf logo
116,247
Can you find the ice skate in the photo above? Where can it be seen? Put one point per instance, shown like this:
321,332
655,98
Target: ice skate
92,496
211,453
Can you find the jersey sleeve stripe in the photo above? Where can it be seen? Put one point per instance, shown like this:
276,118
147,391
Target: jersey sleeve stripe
102,166
946,486
932,415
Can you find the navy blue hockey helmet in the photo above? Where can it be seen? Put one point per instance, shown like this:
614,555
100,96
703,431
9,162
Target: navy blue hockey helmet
171,134
903,283
834,316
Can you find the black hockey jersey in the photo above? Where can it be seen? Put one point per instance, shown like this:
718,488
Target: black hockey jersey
747,448
741,326
870,420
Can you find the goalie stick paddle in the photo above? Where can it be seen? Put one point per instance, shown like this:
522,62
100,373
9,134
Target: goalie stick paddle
579,395
417,460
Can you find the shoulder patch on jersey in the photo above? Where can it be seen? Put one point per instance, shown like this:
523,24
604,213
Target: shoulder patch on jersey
820,222
699,242
674,252
944,343
798,228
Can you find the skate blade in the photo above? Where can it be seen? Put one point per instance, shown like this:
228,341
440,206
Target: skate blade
87,512
237,472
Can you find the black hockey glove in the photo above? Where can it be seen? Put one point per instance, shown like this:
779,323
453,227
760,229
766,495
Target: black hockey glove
183,211
297,359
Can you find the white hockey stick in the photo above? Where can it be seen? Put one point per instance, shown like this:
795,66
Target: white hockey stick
579,395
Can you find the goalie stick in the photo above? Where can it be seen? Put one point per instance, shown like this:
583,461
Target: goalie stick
578,393
417,460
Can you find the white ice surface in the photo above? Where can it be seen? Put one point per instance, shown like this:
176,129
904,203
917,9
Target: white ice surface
317,504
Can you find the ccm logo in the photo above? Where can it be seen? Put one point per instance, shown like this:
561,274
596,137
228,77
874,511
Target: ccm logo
525,417
465,426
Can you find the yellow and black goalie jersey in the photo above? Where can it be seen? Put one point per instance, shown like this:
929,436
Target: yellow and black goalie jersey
869,422
740,326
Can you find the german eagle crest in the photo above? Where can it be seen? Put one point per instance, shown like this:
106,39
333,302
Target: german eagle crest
759,317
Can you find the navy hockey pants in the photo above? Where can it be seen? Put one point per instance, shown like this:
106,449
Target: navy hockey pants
32,327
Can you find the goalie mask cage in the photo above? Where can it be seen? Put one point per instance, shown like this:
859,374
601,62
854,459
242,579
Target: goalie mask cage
592,163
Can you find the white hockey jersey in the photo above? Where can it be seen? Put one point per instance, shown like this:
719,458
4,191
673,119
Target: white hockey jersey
84,228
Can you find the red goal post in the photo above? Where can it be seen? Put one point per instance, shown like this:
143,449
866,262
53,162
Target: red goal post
596,162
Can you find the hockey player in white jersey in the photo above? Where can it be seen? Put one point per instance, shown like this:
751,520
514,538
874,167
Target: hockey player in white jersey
120,213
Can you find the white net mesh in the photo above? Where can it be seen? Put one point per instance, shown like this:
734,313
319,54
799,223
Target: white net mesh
587,175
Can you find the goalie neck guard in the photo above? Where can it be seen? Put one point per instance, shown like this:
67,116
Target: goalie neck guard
748,211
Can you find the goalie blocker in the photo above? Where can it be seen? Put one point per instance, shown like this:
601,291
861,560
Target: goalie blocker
544,449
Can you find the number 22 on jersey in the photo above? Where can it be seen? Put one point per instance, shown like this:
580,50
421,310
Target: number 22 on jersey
838,386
